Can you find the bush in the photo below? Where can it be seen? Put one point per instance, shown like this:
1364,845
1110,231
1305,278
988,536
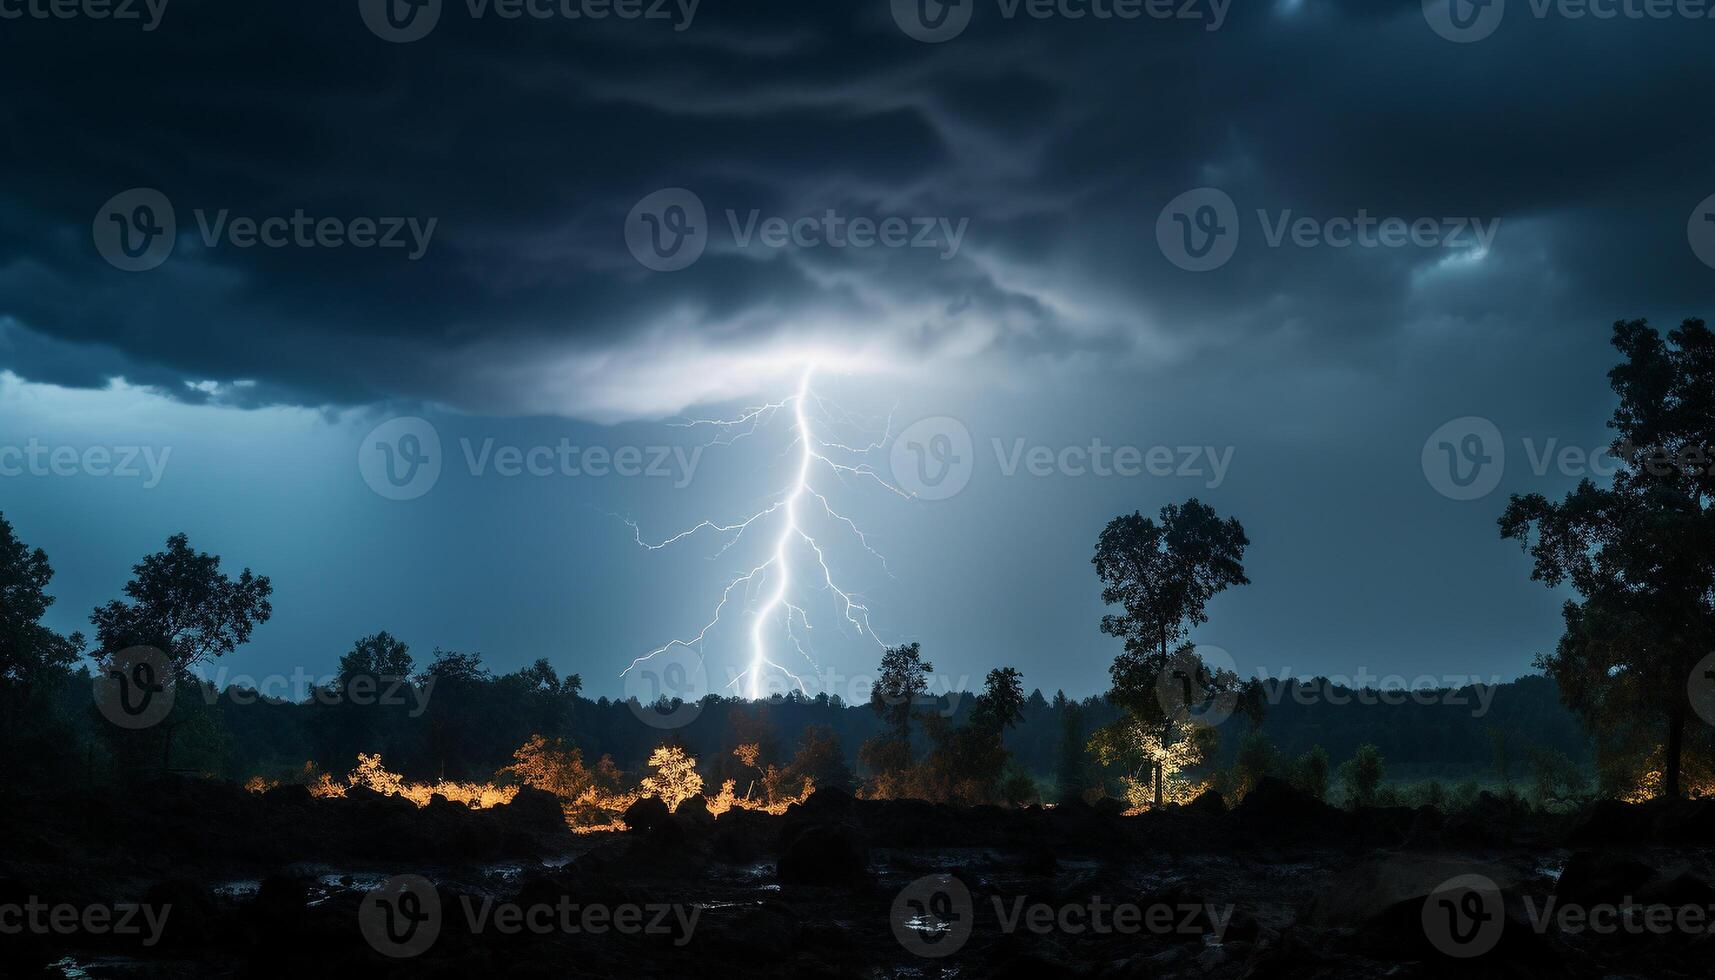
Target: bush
1362,776
1310,773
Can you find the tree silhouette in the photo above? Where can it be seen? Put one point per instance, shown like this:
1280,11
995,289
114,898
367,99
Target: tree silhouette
32,659
901,682
1162,576
27,648
180,603
1638,553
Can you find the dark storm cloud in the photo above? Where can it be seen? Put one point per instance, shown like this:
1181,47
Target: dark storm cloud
1059,141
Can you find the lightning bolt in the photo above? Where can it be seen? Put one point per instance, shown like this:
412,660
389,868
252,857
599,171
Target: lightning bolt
777,615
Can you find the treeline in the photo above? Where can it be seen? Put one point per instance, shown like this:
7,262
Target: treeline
449,716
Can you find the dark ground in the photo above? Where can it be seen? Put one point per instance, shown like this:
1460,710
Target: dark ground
1281,886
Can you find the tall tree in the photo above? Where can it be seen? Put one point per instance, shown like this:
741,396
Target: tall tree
1162,576
902,681
33,659
1639,554
1001,704
376,656
1071,772
180,603
27,648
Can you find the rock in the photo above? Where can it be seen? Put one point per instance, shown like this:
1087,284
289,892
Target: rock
829,802
1209,801
646,814
1274,808
1682,821
277,913
1109,806
1598,877
533,809
693,814
288,794
1426,827
1609,822
824,855
192,921
1380,907
1365,891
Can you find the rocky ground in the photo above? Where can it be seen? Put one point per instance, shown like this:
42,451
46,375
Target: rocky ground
1280,886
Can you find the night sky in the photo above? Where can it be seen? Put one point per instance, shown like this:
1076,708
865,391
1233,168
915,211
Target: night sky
1043,233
